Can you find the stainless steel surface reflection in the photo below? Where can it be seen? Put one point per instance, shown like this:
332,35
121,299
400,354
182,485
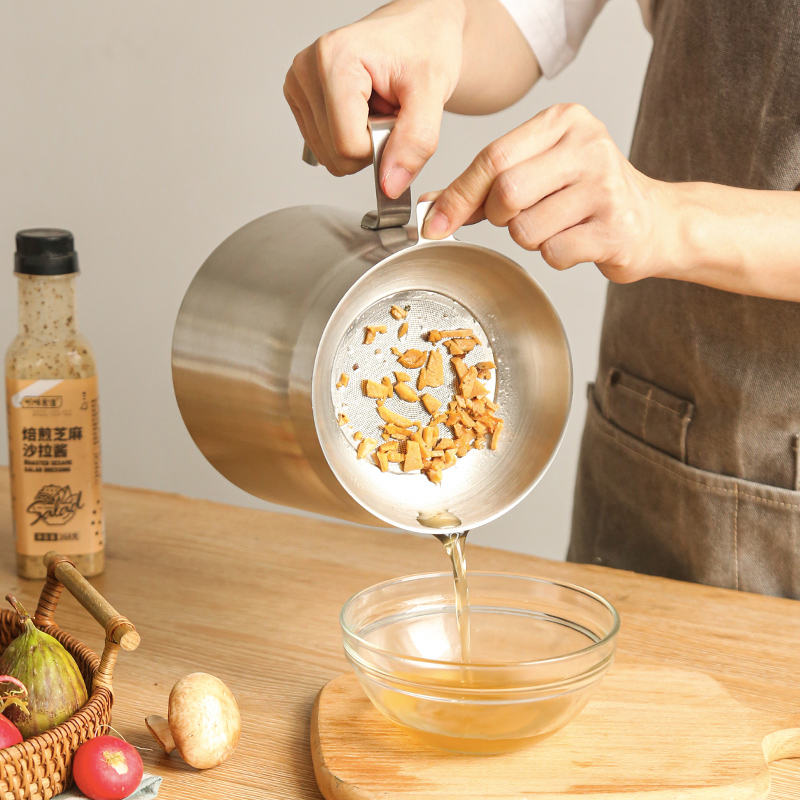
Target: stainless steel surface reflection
245,342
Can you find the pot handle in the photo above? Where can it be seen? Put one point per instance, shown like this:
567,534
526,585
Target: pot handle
119,630
390,213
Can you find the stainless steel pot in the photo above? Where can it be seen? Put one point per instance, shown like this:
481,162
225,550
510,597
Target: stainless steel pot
277,313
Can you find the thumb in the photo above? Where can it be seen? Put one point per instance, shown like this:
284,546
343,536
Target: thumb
414,138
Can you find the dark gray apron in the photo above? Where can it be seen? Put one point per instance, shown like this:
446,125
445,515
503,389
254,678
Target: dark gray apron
690,460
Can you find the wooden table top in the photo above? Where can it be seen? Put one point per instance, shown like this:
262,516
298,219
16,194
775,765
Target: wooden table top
253,597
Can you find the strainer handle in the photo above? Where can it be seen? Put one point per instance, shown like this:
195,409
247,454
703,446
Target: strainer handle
308,156
119,630
390,213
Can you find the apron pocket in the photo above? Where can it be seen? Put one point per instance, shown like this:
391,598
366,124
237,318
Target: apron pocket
638,508
646,411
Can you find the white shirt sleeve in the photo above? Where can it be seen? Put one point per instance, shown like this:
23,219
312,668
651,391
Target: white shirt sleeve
555,28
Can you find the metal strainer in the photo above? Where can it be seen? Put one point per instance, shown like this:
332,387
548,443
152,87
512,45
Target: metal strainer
277,313
444,285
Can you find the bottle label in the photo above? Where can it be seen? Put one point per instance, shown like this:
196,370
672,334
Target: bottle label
54,453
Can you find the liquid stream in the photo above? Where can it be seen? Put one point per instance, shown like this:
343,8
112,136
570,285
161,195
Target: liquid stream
455,549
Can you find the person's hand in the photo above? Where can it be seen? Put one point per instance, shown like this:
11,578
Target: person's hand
405,58
561,186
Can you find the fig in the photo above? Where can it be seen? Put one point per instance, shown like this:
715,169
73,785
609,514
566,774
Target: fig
55,685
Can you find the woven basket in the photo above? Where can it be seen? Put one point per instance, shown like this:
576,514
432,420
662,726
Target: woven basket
41,767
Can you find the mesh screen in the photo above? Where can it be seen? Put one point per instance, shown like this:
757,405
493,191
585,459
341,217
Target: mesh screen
359,361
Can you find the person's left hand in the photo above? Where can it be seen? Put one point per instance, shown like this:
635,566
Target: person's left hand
561,186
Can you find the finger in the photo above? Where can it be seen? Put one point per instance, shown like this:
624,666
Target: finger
304,95
318,117
573,246
414,138
378,105
476,217
555,213
344,91
525,184
467,193
305,119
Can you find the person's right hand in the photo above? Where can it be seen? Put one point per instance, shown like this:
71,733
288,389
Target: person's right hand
403,58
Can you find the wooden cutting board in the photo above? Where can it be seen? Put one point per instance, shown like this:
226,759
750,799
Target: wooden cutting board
649,732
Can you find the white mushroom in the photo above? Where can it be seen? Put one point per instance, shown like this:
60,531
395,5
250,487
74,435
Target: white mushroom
203,721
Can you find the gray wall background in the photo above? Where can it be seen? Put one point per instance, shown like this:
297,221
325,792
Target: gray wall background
154,129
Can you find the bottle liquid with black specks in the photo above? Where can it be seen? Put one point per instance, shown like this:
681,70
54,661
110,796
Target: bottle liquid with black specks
53,414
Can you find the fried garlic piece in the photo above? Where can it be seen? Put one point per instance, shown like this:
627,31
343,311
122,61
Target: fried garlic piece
460,347
413,459
402,376
449,459
387,415
434,369
402,330
437,336
398,313
470,386
459,366
370,332
496,435
431,403
365,446
397,432
342,419
405,392
412,359
377,391
423,447
343,381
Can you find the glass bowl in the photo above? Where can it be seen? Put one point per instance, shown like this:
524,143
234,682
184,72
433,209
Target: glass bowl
536,651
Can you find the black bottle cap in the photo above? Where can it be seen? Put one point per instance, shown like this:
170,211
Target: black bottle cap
45,251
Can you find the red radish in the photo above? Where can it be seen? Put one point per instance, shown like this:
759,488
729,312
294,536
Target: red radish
9,733
107,768
12,693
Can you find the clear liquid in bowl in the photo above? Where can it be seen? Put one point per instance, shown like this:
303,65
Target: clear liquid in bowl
467,707
472,706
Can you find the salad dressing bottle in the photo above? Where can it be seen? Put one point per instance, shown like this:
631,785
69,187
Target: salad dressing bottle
53,415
